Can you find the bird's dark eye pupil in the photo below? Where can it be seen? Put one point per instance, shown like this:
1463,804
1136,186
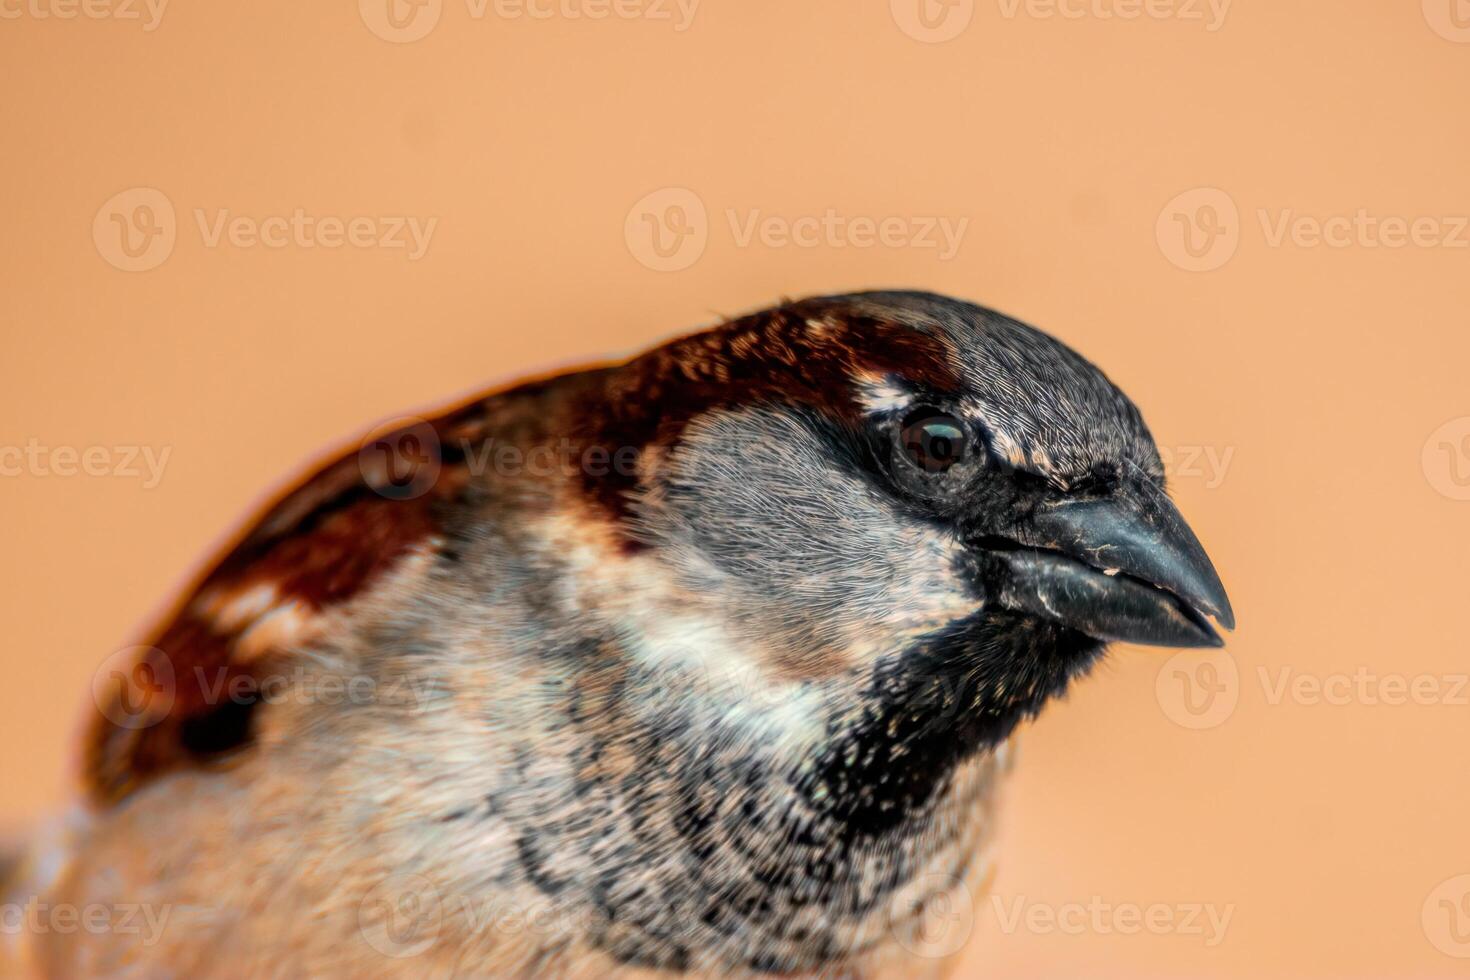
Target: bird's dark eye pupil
934,440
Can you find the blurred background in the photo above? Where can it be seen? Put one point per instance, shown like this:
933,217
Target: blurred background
239,234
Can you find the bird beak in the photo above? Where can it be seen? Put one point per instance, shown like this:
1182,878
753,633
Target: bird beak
1124,567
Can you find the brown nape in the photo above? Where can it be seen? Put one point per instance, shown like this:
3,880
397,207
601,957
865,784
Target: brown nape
319,546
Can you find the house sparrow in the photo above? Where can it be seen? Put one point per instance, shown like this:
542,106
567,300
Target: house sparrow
702,664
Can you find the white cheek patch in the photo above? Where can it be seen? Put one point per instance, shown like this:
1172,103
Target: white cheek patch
703,658
669,616
699,646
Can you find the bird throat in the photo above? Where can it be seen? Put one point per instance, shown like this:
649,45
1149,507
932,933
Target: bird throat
693,849
926,711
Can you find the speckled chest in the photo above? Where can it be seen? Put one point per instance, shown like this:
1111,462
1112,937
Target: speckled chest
677,846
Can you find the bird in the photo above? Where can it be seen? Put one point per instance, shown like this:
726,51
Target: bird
707,663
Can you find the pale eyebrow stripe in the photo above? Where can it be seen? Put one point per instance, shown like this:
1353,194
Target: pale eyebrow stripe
878,395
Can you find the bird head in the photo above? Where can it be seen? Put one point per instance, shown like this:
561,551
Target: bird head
892,485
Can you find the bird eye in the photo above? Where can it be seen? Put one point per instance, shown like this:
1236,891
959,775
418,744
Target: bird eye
934,440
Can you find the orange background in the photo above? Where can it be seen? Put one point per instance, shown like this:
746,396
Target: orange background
1325,372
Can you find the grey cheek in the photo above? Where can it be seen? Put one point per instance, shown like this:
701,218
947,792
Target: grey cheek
755,502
